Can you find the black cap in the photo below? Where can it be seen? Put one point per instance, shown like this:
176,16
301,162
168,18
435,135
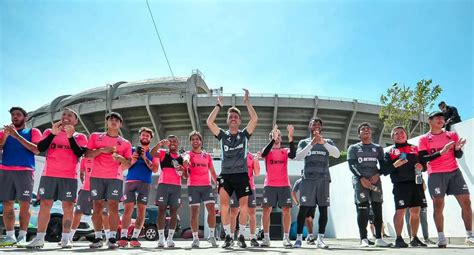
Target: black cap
115,115
435,114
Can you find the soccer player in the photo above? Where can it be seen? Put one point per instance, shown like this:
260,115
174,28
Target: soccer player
314,188
16,174
277,188
233,177
137,187
310,213
200,173
363,158
440,149
111,154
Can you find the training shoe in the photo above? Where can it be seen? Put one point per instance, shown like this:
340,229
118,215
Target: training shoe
37,243
400,243
241,242
442,242
112,243
170,243
122,242
8,241
370,242
134,243
469,240
66,243
297,244
21,242
415,242
97,243
195,243
320,242
311,241
161,243
254,243
228,242
212,241
364,243
287,243
429,241
381,243
265,242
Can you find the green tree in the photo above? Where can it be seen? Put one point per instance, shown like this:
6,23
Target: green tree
401,104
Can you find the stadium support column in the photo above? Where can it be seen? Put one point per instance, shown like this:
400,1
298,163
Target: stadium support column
349,125
381,134
316,106
152,119
275,109
81,121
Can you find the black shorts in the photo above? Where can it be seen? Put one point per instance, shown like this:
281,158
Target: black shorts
408,194
238,183
55,188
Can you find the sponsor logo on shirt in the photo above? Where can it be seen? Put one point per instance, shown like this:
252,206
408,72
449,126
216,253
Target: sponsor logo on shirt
227,148
277,162
366,159
323,153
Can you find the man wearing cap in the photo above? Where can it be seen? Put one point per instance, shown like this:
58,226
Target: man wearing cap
451,115
16,173
111,154
439,149
64,147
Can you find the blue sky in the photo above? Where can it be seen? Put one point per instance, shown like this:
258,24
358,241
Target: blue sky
348,49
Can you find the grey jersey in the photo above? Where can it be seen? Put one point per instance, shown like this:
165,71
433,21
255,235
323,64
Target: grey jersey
316,163
296,186
366,157
234,151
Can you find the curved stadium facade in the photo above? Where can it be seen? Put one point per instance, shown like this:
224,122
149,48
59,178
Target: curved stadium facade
180,105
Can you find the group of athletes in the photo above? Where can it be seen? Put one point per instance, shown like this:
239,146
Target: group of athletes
104,156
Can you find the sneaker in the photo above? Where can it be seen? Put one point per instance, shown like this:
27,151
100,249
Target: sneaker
364,243
429,241
297,244
320,242
381,243
228,242
311,241
212,241
35,244
161,243
241,242
370,242
170,243
21,242
195,243
7,241
97,243
134,243
400,243
122,242
254,243
469,241
287,243
66,243
112,243
442,242
265,242
417,243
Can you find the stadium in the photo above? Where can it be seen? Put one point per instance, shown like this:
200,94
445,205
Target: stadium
182,104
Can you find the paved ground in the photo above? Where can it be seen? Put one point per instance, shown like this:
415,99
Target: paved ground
336,247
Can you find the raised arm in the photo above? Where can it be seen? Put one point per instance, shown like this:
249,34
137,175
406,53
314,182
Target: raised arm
253,114
212,117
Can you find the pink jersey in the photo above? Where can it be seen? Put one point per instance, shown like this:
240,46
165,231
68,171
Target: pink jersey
86,167
276,163
104,166
199,164
61,161
250,168
35,138
168,172
432,143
